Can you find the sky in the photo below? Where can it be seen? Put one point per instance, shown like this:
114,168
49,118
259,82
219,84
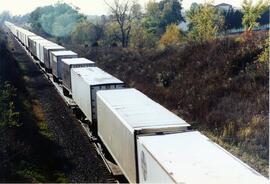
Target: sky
89,7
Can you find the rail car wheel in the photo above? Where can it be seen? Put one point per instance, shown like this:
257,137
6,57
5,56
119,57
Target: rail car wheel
54,79
79,114
66,92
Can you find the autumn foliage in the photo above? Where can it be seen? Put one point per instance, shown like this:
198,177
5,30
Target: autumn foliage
172,36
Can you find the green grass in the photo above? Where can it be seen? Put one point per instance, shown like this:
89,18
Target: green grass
43,129
30,172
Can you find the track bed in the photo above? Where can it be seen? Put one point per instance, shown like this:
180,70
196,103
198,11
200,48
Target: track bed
84,163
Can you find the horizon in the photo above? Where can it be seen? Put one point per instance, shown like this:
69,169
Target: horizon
93,7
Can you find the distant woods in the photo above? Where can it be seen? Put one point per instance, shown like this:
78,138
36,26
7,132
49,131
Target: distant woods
18,20
56,20
129,24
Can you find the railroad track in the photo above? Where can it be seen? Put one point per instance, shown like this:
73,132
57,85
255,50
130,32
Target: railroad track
80,137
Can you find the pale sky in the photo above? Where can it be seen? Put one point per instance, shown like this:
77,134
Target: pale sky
89,7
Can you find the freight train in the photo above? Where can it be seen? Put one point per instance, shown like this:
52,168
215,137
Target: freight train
149,143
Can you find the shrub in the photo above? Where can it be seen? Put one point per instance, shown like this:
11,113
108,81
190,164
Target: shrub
8,116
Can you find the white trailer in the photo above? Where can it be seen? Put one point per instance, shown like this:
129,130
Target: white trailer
32,44
15,31
40,51
29,34
24,34
56,57
20,34
12,28
66,65
85,82
191,158
125,114
47,50
38,46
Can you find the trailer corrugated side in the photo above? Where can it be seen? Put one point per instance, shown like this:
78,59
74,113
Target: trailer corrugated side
17,30
125,114
23,36
38,49
67,64
20,34
47,54
192,158
56,63
85,82
42,52
27,34
32,44
14,30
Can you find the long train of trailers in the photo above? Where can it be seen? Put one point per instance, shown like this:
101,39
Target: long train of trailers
148,142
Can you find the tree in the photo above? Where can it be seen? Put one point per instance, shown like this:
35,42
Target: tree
205,22
151,20
172,36
58,20
35,16
141,37
8,116
194,8
4,16
85,33
123,14
171,13
232,19
112,34
19,20
264,17
137,38
138,31
252,13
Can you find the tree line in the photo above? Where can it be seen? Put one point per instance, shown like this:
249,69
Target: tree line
158,24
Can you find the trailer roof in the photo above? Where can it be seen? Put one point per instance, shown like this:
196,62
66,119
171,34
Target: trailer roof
44,41
54,46
139,111
27,32
95,76
193,158
64,53
36,37
43,44
72,61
